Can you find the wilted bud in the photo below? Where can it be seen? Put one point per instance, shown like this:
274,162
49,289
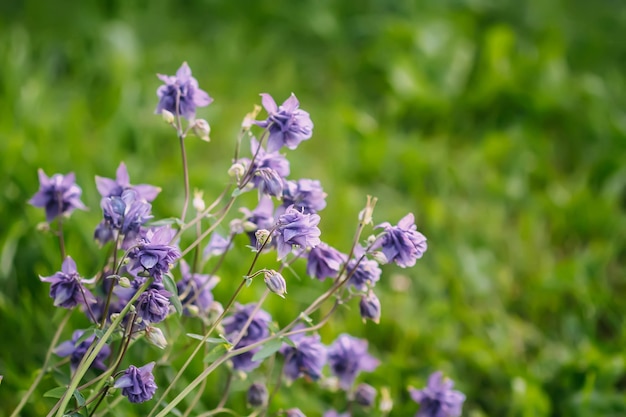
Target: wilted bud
275,283
257,395
124,282
271,182
386,403
370,307
248,121
263,238
198,202
365,395
365,216
202,129
168,116
236,170
379,257
155,336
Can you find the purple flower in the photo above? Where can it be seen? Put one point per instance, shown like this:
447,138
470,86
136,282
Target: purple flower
181,94
366,273
275,282
137,383
438,399
347,357
154,255
288,125
76,351
153,305
365,395
217,245
195,289
305,195
257,395
126,214
296,228
324,262
67,289
369,307
57,195
262,217
269,182
335,413
294,412
402,244
108,187
263,159
258,328
306,359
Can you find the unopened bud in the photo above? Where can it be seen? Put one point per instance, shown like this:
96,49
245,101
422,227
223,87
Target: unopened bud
124,282
202,129
155,336
168,116
249,226
248,121
263,238
379,257
365,395
275,283
271,182
236,170
192,310
257,395
370,307
386,403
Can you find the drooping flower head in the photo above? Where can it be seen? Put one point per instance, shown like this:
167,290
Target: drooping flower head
217,245
58,195
154,255
67,289
257,395
262,217
296,228
347,357
369,307
305,195
153,305
263,159
365,395
195,289
402,244
126,214
137,383
438,399
181,94
324,261
294,412
288,124
257,330
307,358
108,187
76,351
363,275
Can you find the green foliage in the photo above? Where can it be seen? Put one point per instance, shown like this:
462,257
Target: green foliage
500,124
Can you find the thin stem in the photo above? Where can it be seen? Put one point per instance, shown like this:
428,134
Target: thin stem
229,381
208,231
181,138
202,214
105,312
33,386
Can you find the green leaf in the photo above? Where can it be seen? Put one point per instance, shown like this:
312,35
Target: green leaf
170,285
55,392
215,353
289,342
79,398
236,192
268,349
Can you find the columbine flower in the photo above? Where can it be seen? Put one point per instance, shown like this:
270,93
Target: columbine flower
181,94
348,356
335,413
218,245
257,331
262,217
369,307
305,195
154,255
365,395
153,305
108,187
195,289
126,213
276,283
257,395
288,125
294,412
270,183
366,273
67,289
264,159
77,351
306,359
438,399
137,383
402,244
295,228
57,195
324,262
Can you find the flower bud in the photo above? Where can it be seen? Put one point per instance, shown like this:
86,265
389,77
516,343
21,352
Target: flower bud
193,310
379,257
248,121
271,182
202,129
275,283
198,202
386,403
168,116
365,395
236,170
124,282
155,336
257,395
369,307
248,226
263,238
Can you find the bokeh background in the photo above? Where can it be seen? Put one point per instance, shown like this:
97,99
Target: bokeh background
501,125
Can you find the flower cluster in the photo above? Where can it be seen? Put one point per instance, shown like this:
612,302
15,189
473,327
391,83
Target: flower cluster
139,286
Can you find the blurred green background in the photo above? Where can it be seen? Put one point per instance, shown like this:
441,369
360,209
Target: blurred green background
501,125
